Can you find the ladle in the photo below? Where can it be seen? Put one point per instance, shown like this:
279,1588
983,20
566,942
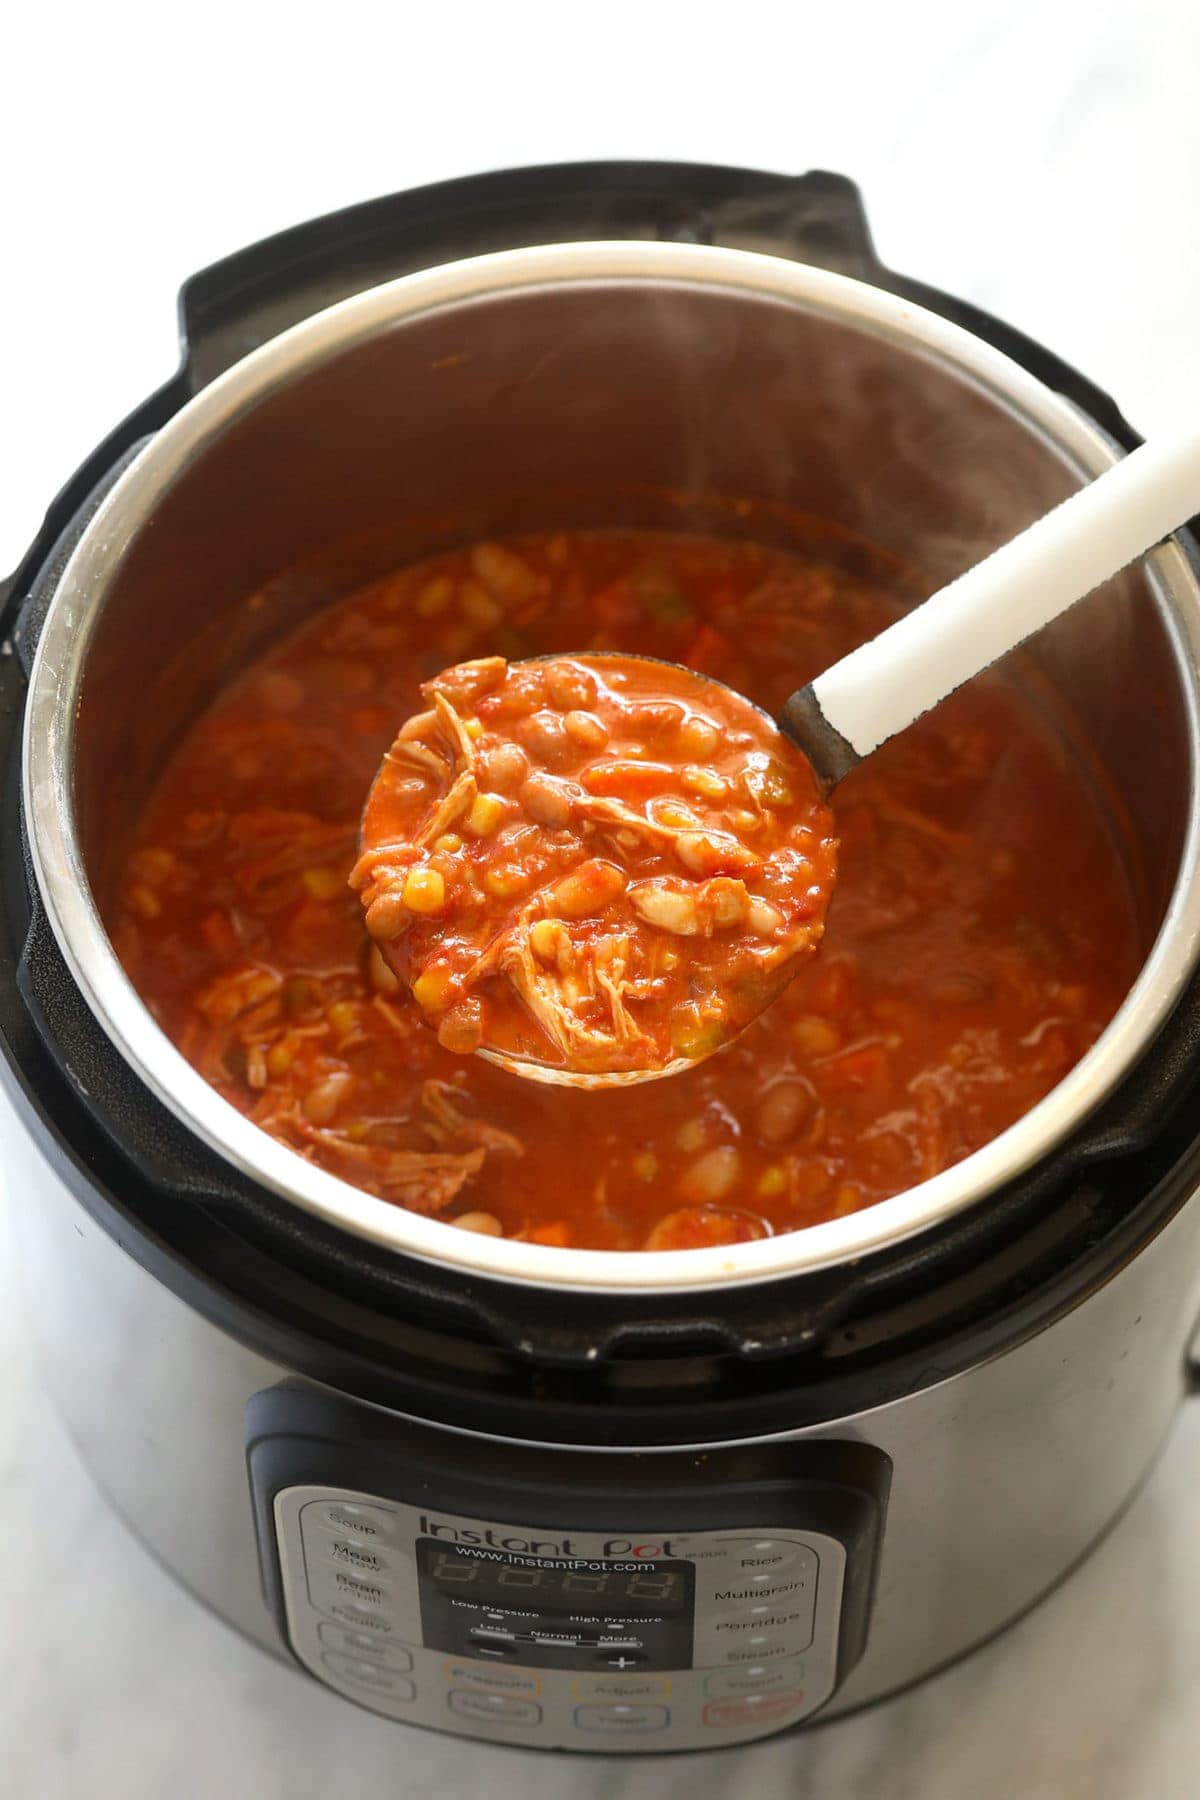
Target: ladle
885,685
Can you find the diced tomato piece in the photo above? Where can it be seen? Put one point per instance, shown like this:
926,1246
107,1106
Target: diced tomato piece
697,1227
709,652
857,1068
556,1233
617,605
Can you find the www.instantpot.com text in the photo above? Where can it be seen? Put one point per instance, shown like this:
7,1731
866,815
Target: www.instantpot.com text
534,1552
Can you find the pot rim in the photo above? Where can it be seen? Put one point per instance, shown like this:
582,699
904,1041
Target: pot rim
58,865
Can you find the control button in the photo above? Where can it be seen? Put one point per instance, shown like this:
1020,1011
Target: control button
755,1709
493,1709
756,1627
362,1617
360,1589
621,1719
754,1678
493,1680
612,1658
361,1643
555,1640
485,1642
370,1675
371,1523
760,1649
345,1553
621,1687
766,1555
760,1596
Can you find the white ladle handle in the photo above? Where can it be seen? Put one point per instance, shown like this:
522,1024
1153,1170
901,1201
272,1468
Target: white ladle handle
886,684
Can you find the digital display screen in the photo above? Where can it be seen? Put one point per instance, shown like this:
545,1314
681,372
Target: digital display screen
652,1592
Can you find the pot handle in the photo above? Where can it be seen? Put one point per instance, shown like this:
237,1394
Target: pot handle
241,302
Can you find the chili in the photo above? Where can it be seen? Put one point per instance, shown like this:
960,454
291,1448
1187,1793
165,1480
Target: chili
981,934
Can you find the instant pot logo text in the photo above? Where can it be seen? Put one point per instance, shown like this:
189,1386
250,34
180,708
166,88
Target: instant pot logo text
492,1547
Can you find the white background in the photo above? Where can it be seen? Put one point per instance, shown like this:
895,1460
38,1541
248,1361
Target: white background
1042,159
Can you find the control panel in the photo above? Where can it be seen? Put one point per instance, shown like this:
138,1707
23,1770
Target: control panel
575,1639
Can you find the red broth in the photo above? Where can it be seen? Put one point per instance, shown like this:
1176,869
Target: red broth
981,935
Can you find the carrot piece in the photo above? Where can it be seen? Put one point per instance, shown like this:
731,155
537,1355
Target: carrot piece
709,651
627,779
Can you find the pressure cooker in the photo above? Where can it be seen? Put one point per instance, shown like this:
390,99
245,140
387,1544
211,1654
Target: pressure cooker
806,1470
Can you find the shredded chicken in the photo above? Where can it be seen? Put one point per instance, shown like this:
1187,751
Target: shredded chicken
425,1181
447,1123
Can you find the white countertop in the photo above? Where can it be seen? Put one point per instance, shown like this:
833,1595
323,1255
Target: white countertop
1041,159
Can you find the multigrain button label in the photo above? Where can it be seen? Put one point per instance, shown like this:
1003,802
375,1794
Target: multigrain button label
760,1593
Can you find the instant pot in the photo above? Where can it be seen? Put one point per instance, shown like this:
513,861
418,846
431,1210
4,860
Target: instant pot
528,1495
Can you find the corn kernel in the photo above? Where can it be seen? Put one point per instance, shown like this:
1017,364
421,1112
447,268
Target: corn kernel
424,891
144,901
690,1136
431,988
434,597
280,1058
814,1036
152,866
772,1181
645,1166
343,1017
487,812
449,842
473,728
323,883
477,605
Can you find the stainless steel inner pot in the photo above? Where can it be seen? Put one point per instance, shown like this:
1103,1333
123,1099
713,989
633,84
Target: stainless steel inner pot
546,386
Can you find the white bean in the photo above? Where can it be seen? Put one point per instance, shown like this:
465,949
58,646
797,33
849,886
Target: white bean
712,1175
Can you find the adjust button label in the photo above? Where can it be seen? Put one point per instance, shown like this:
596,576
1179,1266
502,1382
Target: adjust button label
621,1687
